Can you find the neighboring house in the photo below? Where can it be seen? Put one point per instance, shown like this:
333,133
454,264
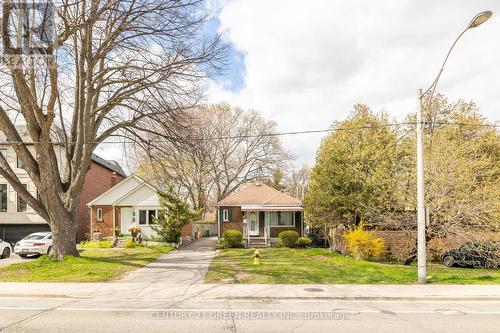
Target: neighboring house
260,212
132,202
17,219
102,176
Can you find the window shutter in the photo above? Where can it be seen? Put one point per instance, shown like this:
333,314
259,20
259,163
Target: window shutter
230,214
221,216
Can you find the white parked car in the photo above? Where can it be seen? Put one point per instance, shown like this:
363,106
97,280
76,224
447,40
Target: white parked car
5,249
37,243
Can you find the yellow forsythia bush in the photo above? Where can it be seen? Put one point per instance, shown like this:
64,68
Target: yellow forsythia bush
362,243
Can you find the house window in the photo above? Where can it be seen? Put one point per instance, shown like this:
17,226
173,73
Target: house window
22,207
280,219
3,198
143,217
147,216
225,215
152,216
19,164
98,214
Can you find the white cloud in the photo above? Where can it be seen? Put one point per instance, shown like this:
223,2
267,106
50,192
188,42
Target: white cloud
308,63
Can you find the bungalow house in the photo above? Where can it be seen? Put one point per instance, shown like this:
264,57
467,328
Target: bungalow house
260,212
132,202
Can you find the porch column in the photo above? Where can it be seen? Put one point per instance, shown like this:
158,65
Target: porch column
218,222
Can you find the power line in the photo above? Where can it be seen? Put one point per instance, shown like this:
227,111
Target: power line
277,134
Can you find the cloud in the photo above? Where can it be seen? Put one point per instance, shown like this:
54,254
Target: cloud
307,63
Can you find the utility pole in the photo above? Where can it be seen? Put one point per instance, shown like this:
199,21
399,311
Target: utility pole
421,246
421,214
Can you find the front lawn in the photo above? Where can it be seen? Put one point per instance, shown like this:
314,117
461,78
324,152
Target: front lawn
94,265
296,266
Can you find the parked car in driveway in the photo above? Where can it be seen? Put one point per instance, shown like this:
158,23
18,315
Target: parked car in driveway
478,254
5,249
34,244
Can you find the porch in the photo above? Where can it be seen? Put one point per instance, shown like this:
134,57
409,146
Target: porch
261,227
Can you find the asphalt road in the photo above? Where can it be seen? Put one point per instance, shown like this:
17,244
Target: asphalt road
153,315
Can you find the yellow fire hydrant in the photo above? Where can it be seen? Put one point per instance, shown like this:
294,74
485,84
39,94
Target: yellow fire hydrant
256,257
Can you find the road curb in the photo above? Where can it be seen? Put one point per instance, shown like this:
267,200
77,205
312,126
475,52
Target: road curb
371,298
271,298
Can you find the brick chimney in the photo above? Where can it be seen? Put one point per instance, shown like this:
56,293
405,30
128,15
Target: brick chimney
114,179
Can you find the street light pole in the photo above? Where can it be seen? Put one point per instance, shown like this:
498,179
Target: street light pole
421,243
421,225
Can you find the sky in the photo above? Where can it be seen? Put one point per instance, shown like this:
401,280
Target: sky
304,64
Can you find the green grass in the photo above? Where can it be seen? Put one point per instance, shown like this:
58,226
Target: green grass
93,265
106,244
296,266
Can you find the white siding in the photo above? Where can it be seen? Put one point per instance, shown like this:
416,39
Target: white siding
143,196
12,216
117,192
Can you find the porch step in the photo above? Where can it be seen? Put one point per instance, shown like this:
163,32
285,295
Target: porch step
257,246
257,242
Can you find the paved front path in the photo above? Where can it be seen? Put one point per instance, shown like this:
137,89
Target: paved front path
186,265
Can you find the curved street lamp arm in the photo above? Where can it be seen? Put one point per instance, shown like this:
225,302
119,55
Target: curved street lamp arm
436,80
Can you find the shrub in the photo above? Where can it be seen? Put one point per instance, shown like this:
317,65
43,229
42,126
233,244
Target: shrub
135,231
304,242
222,245
233,238
174,215
289,238
362,243
106,244
130,244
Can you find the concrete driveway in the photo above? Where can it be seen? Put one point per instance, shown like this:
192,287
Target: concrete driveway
14,259
186,265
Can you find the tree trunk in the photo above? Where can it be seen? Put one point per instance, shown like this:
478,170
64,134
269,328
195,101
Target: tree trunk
64,226
63,235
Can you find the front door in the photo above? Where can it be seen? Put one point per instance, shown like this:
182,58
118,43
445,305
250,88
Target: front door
125,219
253,223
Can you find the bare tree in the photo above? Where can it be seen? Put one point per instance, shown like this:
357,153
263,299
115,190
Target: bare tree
246,148
109,68
228,148
297,182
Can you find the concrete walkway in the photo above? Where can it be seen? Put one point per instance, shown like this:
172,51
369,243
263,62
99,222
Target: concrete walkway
186,265
173,292
179,275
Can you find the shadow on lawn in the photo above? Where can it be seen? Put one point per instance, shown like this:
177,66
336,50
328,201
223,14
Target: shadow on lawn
129,259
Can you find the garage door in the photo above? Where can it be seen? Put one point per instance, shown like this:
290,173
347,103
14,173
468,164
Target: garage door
13,233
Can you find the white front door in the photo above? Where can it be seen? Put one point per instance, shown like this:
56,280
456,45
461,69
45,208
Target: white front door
125,219
253,223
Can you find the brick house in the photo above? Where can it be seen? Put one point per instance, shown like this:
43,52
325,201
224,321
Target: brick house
260,212
131,202
102,176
